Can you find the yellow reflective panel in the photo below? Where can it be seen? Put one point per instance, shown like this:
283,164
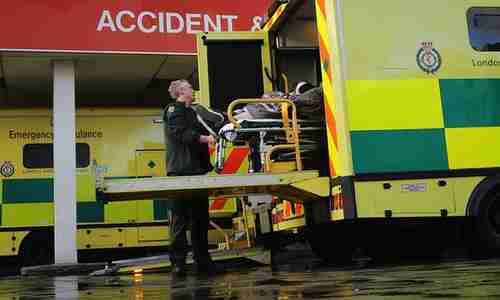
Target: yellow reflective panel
394,104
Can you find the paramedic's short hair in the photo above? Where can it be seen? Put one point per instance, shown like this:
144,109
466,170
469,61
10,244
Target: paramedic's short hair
174,87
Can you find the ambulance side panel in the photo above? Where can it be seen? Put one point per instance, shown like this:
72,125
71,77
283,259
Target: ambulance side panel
422,83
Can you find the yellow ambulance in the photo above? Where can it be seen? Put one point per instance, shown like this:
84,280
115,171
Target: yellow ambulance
411,92
111,143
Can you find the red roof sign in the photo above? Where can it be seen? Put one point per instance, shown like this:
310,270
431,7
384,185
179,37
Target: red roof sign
133,26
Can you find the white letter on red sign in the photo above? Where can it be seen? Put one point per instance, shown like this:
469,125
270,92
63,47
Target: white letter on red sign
230,21
140,22
190,22
119,23
209,23
170,29
161,22
106,20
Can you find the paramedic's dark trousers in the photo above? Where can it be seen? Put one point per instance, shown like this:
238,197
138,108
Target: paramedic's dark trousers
190,210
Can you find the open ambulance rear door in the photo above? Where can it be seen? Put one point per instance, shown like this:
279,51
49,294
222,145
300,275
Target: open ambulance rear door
233,65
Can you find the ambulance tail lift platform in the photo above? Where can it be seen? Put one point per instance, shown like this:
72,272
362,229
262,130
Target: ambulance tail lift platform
248,227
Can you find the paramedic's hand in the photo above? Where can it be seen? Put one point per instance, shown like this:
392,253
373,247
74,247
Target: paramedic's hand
211,141
208,139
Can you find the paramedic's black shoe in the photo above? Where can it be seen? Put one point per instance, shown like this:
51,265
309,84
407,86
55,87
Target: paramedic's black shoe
178,271
207,269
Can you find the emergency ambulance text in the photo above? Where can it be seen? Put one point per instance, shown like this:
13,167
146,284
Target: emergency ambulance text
47,135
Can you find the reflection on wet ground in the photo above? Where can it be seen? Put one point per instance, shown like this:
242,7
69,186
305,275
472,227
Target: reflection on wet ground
469,279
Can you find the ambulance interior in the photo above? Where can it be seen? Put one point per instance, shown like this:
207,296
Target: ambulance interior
235,72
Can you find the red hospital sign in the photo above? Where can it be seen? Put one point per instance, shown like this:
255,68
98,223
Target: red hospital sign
130,26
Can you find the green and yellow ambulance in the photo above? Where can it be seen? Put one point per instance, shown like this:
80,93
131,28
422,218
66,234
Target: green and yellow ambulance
411,92
111,143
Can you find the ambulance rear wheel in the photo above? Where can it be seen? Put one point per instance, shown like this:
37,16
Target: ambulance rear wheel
37,249
329,249
487,225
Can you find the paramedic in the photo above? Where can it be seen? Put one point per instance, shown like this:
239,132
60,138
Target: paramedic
187,155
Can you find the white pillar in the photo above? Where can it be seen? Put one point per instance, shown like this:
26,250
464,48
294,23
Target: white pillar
64,162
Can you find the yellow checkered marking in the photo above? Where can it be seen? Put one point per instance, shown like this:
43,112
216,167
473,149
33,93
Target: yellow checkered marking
119,212
32,214
473,147
85,187
394,104
145,210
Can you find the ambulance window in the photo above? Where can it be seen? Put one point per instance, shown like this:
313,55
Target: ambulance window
82,155
40,156
484,28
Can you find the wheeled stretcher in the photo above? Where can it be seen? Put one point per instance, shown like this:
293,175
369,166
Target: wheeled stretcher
276,144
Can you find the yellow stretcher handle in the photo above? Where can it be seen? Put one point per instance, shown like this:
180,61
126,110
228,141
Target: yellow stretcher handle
292,134
285,80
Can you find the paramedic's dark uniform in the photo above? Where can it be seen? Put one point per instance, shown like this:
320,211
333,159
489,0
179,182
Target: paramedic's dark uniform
187,156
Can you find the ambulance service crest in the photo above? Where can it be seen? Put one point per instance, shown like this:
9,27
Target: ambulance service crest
7,169
428,58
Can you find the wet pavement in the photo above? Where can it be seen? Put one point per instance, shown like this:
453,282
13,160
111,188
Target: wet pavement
310,280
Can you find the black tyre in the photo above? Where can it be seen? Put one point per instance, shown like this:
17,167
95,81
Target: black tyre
487,223
37,249
330,248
